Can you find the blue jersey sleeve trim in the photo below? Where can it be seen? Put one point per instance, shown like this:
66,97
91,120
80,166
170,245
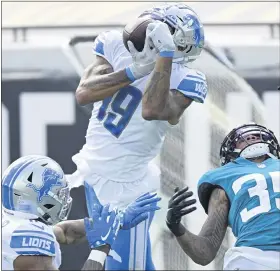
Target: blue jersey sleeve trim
34,252
193,88
130,74
192,96
99,47
30,243
196,98
30,232
167,54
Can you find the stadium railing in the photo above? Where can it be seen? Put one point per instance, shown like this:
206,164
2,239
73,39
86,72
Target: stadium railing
20,33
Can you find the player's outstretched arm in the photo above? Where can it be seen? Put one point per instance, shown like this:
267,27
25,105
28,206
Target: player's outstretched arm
159,103
101,231
202,248
96,259
70,231
99,81
26,263
139,210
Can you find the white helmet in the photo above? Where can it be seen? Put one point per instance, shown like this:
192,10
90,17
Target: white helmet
186,29
36,185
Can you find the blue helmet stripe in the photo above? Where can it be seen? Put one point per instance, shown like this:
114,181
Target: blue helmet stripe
11,201
5,197
7,179
10,179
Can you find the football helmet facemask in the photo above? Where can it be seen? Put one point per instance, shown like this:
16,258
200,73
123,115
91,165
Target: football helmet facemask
265,143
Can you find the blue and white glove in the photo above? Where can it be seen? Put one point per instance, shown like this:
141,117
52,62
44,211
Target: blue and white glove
143,62
162,39
138,211
102,228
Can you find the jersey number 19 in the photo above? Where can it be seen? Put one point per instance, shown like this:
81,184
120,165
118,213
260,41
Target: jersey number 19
122,107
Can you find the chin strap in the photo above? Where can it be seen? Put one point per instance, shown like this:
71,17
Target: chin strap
45,216
272,156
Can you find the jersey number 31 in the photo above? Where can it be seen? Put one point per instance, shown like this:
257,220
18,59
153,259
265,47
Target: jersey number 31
123,105
259,190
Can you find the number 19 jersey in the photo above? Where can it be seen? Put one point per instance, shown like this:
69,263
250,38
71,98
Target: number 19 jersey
119,142
254,194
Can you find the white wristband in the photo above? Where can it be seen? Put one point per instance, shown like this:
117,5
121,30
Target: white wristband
97,256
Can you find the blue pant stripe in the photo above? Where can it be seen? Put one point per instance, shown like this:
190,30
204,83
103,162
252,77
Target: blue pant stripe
135,240
145,243
126,242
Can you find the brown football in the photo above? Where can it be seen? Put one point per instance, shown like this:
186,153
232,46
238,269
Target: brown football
136,32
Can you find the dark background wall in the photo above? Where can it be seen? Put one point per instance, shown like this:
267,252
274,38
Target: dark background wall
63,141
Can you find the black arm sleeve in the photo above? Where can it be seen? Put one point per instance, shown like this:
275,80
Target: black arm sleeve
204,192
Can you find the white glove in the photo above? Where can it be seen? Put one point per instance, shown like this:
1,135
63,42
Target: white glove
143,62
161,37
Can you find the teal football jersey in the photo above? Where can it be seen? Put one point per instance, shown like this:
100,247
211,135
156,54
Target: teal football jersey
254,194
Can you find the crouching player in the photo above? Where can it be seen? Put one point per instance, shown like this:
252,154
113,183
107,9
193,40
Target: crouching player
36,201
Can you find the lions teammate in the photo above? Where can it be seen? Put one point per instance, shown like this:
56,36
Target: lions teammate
244,193
137,96
35,195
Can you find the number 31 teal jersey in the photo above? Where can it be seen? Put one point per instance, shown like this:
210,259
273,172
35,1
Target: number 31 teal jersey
254,194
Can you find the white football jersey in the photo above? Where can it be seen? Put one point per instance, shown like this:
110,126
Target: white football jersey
119,142
26,237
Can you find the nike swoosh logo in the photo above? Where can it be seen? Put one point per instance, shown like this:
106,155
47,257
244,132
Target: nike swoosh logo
40,227
104,238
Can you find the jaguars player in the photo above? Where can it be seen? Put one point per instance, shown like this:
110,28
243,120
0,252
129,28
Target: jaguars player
244,194
35,198
137,97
